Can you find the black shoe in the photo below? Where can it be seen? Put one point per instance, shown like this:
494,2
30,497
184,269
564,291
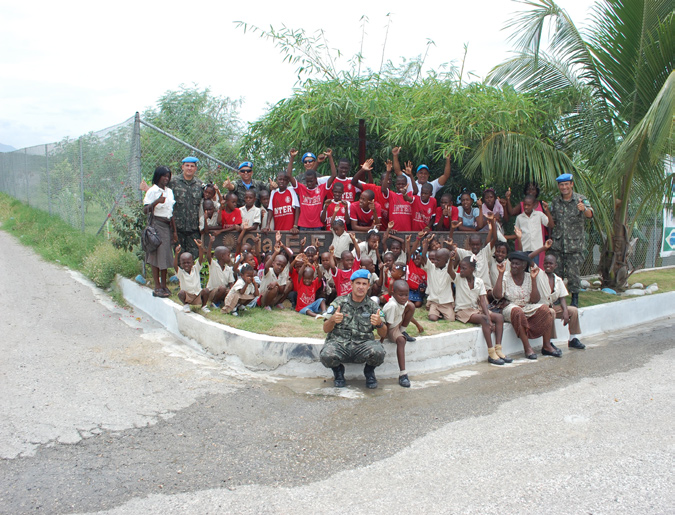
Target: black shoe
506,359
575,300
369,372
574,343
531,356
557,353
408,338
498,361
404,381
339,373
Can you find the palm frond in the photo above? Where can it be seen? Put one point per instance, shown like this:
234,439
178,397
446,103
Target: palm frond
506,157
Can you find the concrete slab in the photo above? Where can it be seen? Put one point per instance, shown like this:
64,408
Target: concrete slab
299,357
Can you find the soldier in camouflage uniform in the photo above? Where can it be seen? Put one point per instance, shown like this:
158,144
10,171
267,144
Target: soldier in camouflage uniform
350,332
570,211
246,183
188,192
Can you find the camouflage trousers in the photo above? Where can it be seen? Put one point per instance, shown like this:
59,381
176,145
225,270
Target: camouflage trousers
569,267
186,240
370,352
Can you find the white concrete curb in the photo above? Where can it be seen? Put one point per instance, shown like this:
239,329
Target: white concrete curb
299,357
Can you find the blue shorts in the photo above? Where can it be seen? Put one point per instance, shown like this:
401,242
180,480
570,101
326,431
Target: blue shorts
415,296
314,307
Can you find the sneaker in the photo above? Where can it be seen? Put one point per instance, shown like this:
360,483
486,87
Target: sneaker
574,343
235,313
216,304
281,306
408,338
268,308
404,381
205,309
371,380
186,308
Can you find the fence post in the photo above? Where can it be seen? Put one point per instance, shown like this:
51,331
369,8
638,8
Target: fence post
25,173
81,184
49,181
135,173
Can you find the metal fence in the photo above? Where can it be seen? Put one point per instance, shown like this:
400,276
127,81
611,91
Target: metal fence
84,180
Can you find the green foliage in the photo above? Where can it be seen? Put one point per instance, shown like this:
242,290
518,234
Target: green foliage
105,261
128,220
50,236
207,122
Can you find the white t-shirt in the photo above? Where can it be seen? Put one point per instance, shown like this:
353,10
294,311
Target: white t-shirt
465,297
210,222
544,286
239,284
439,283
372,254
494,273
434,184
191,282
482,263
165,210
219,276
393,312
341,243
531,226
252,216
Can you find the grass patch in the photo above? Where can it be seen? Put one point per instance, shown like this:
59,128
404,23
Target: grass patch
105,261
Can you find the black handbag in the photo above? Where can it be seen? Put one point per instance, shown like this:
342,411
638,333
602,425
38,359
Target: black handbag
150,240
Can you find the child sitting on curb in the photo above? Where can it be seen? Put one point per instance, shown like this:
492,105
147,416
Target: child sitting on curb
187,270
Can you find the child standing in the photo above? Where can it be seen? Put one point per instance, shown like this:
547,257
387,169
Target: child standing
283,206
349,264
482,253
251,216
311,195
530,223
400,203
424,208
230,216
306,284
471,217
187,270
445,213
439,284
471,306
398,313
335,208
416,276
341,238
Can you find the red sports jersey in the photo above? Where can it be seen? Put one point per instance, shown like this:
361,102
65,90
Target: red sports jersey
311,204
359,217
444,219
415,276
233,218
350,191
281,205
332,208
379,198
400,212
343,278
306,294
422,213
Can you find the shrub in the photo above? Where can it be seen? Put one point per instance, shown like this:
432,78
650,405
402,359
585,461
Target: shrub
106,261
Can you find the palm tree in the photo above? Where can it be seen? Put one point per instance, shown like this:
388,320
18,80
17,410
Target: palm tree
614,87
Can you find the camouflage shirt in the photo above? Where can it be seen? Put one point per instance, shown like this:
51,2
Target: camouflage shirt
355,326
188,195
568,233
256,187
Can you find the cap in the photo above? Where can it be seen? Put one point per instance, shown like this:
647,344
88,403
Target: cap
565,177
360,274
521,256
190,160
422,166
245,163
308,154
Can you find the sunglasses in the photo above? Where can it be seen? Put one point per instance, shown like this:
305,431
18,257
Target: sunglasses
245,171
308,161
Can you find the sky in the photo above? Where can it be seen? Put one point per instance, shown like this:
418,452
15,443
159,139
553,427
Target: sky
67,68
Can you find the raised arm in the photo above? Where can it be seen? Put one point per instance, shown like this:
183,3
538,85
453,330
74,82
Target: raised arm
212,238
175,257
534,294
333,168
409,173
200,246
497,288
547,245
357,249
446,171
289,168
385,179
547,212
397,165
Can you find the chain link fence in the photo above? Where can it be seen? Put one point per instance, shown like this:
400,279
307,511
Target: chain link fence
85,180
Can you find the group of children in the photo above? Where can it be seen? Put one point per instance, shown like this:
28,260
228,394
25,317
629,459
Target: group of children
405,274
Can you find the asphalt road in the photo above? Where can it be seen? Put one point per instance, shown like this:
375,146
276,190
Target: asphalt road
104,411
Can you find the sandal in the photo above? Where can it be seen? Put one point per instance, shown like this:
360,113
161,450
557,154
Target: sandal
158,292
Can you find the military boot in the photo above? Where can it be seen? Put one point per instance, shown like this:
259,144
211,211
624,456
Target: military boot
339,373
575,300
369,372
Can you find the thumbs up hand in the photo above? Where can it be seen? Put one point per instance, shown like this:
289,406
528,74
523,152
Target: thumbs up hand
337,316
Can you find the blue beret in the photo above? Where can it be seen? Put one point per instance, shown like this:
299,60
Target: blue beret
422,166
245,163
308,154
190,160
361,274
565,177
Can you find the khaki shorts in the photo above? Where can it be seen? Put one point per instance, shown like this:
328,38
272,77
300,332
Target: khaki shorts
446,311
463,315
192,298
394,332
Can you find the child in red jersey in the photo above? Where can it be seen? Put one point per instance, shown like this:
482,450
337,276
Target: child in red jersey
339,176
283,206
445,213
416,276
306,284
230,216
400,203
366,169
365,213
335,208
311,195
424,208
349,264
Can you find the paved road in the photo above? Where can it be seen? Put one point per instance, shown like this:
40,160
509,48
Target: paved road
104,411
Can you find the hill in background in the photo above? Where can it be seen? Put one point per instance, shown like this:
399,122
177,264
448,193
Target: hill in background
6,148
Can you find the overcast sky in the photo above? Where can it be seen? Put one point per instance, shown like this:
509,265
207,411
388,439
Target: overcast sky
67,68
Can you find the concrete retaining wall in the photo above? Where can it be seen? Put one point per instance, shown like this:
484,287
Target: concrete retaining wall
300,356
